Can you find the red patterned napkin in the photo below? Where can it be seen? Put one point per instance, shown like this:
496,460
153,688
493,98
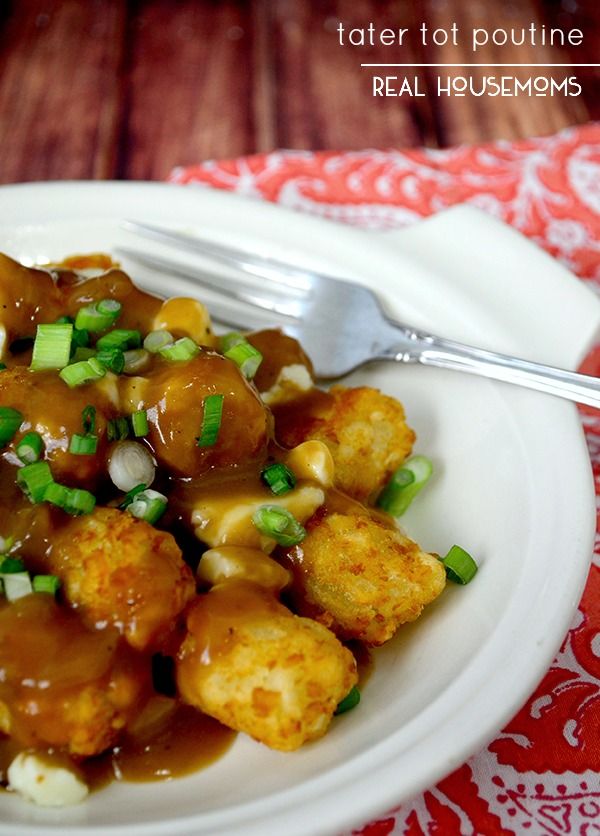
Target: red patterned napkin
542,773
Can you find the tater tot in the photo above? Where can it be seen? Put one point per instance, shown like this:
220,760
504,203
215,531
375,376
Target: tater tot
256,667
365,431
27,297
361,578
122,571
173,395
63,685
54,411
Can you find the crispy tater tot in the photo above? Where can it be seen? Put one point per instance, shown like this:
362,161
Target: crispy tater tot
27,297
50,408
120,570
61,684
256,667
365,431
362,578
173,394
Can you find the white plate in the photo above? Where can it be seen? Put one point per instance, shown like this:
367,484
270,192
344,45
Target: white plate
512,485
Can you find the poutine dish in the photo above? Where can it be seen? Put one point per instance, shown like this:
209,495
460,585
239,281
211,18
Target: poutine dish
193,536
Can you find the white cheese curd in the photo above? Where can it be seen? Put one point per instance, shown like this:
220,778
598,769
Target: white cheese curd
47,784
292,381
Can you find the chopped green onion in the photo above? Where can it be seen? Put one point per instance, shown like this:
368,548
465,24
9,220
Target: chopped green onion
52,347
83,445
404,485
279,478
112,358
279,524
350,701
30,447
82,352
74,501
148,505
211,420
17,585
46,583
11,565
130,496
460,566
157,340
98,316
88,419
137,360
10,421
6,544
180,351
227,341
139,423
246,357
85,371
33,479
123,338
64,320
81,339
117,429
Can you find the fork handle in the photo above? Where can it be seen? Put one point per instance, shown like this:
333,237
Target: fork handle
447,354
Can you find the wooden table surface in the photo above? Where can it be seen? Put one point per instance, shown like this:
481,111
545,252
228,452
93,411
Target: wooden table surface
117,89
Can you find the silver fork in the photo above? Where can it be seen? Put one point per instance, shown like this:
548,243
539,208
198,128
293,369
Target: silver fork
341,324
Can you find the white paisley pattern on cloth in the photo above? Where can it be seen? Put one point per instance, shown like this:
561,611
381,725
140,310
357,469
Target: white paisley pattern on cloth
542,773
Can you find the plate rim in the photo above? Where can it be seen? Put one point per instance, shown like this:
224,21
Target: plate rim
380,797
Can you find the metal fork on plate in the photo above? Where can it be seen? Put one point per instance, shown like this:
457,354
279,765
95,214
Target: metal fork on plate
341,324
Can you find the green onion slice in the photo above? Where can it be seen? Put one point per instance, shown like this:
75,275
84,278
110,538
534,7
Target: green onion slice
83,445
112,358
279,478
75,501
46,583
82,352
157,340
227,341
350,701
11,565
10,421
33,479
246,357
81,339
139,423
117,429
130,496
148,505
180,351
30,447
404,485
122,338
85,371
460,566
137,360
279,524
17,585
211,420
88,419
52,347
64,320
98,316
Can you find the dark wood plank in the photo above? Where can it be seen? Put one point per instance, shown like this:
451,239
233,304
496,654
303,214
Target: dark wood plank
473,119
324,97
190,85
585,15
131,88
60,94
